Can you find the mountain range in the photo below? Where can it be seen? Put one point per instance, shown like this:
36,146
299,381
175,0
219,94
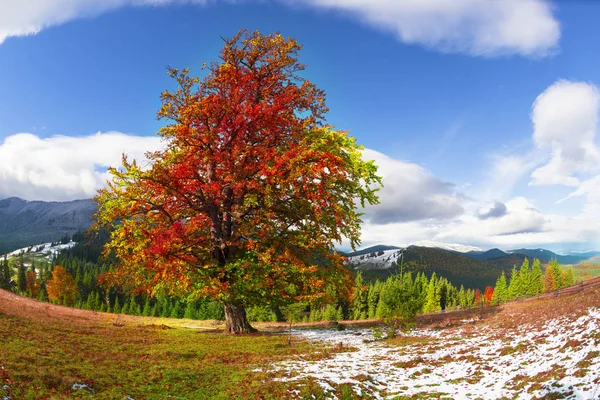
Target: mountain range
25,223
473,268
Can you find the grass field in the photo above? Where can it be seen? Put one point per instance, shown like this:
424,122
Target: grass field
55,352
49,351
586,270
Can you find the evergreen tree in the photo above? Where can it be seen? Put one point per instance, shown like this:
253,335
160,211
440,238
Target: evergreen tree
373,298
360,304
6,282
175,313
147,311
470,298
556,270
330,313
462,297
314,316
125,308
514,287
432,300
21,275
190,310
500,290
525,285
117,306
537,281
569,278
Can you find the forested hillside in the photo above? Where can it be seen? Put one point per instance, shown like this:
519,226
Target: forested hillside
25,223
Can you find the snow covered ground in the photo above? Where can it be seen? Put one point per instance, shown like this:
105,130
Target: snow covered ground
561,356
43,250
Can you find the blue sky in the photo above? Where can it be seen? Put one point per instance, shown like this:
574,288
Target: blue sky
441,93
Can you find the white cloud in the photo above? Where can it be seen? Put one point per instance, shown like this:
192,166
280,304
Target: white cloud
410,193
28,17
477,27
63,167
519,217
565,120
505,171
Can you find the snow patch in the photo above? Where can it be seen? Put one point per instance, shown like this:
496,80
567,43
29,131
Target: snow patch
527,362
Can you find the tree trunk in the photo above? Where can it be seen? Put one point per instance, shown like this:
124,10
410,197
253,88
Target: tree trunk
235,319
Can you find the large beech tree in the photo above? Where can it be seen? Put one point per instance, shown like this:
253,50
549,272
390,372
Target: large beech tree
250,193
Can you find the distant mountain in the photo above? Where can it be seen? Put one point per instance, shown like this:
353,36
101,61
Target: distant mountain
508,261
486,255
460,248
547,255
585,254
372,249
457,268
25,223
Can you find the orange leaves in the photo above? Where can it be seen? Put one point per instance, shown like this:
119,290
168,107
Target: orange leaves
252,191
61,288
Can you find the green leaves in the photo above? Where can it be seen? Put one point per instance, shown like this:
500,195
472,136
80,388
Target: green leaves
252,191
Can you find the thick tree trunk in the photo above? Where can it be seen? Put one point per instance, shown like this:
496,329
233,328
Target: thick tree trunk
235,319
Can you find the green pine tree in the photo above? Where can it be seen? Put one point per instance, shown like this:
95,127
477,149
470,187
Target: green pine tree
537,281
190,310
147,311
500,290
373,298
175,310
462,297
5,275
432,300
117,307
21,275
556,269
569,278
514,287
525,284
360,304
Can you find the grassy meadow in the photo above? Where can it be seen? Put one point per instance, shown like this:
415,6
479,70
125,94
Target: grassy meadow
45,350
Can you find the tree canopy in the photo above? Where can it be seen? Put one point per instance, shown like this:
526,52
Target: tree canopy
249,195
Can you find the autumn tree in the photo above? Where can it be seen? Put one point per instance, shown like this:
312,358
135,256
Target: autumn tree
32,284
549,280
61,288
249,195
488,294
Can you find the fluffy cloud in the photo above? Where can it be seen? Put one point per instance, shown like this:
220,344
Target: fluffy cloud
496,211
478,27
519,216
62,167
410,193
28,17
565,119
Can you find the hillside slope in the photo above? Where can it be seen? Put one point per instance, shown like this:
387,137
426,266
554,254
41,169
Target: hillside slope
25,223
458,268
543,349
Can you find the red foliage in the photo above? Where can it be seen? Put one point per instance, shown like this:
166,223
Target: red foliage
488,294
252,191
32,284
